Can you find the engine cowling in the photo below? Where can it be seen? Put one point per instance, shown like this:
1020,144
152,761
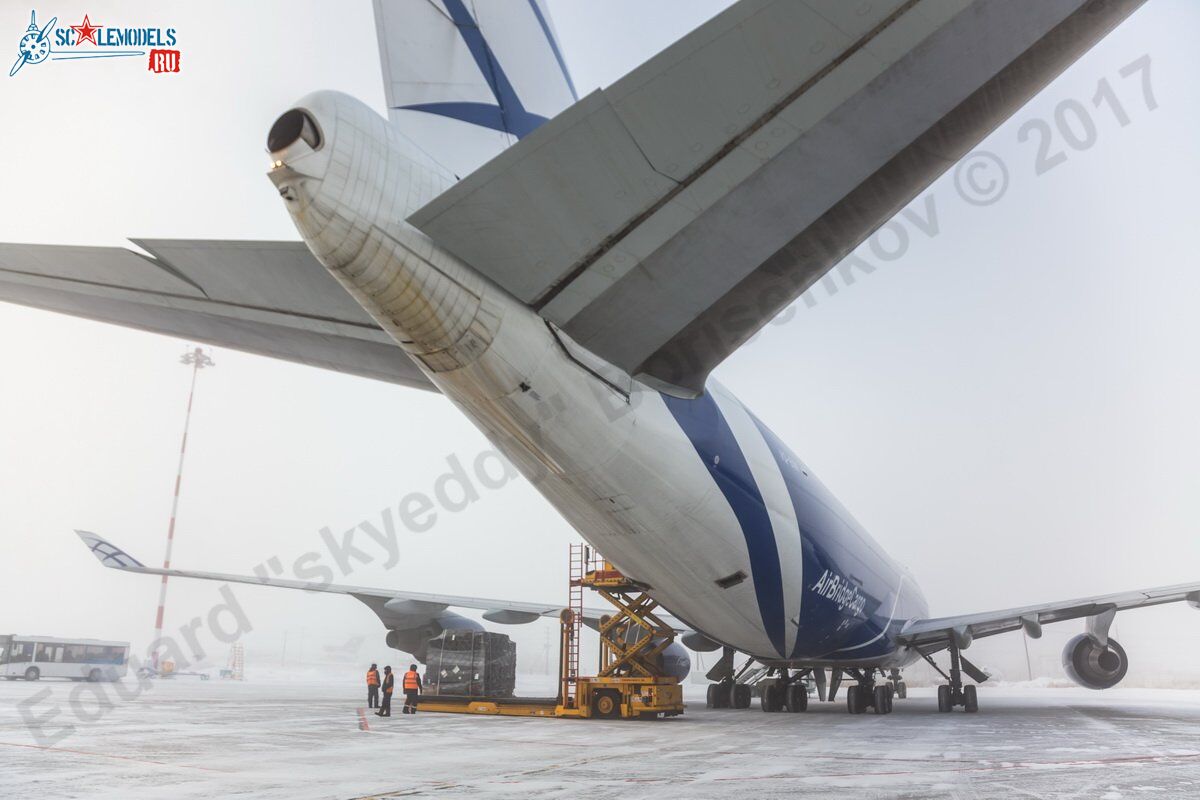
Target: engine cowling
1092,665
415,639
676,661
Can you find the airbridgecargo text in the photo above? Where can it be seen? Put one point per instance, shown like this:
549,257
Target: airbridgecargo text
834,587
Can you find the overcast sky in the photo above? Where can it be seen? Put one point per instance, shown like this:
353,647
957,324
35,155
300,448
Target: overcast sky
1007,401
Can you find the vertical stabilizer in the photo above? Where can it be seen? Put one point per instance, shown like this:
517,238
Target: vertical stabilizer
464,79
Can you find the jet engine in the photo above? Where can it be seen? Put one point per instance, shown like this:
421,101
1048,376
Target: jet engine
1092,665
415,640
675,661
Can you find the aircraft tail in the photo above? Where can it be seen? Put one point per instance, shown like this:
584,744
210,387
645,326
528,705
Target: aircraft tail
464,79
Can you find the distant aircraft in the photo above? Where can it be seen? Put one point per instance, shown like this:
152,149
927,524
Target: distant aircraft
573,290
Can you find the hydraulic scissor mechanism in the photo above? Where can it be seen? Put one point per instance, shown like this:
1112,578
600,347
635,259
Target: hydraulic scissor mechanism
781,687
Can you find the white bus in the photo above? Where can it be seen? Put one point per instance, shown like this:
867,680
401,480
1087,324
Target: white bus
36,657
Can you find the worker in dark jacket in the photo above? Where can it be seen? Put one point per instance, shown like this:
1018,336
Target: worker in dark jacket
373,687
412,687
389,683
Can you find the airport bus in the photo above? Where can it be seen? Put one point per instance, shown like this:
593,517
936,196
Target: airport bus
36,657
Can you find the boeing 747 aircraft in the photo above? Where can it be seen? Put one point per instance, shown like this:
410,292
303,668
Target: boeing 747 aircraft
567,272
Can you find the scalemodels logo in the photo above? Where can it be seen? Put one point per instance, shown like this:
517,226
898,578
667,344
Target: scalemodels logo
85,40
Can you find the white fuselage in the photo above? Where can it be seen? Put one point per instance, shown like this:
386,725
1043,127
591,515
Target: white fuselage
667,502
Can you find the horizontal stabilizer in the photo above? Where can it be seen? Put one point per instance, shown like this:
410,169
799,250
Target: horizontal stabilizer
267,298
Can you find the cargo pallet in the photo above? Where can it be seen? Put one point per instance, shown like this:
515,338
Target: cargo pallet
630,683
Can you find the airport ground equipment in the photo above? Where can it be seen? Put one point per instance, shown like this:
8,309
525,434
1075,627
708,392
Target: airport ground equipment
630,681
235,668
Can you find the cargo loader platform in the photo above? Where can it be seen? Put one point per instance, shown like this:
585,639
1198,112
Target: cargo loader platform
490,706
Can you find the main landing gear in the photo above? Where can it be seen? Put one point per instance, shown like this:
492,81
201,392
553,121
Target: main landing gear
778,689
781,689
868,694
954,692
728,694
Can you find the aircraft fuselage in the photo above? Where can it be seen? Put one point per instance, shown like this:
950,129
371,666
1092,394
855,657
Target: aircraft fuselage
695,498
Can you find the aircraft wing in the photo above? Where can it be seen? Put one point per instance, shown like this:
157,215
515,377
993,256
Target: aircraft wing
268,298
662,221
937,633
391,605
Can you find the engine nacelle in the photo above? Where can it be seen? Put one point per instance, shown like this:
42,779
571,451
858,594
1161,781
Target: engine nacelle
415,639
675,661
1093,666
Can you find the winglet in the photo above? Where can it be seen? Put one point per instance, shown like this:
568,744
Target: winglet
108,553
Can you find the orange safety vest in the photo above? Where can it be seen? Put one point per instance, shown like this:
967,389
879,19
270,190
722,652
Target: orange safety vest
372,677
410,681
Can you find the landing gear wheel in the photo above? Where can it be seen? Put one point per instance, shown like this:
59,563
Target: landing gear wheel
970,699
883,699
796,697
901,690
854,700
740,695
945,700
718,695
771,699
606,705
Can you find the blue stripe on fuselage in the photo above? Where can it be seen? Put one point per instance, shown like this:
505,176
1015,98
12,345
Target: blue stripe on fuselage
822,627
709,432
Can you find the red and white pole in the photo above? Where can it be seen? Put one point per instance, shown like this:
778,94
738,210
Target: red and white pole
198,360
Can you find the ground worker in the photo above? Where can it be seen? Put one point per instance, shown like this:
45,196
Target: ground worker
412,687
373,687
389,682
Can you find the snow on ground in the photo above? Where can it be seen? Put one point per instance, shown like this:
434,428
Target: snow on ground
190,739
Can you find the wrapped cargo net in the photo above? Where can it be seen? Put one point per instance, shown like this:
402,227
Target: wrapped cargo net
465,663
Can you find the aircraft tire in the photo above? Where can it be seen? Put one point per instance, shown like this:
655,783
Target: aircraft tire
797,698
854,700
970,699
902,690
769,698
945,700
883,700
740,695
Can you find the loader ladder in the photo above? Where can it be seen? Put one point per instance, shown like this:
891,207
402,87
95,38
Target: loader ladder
572,626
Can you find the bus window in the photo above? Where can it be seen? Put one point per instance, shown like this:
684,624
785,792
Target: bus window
76,654
49,653
20,652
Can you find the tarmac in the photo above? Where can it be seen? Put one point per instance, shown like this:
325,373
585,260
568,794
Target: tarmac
192,739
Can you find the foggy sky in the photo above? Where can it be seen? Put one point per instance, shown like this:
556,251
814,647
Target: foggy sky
1004,395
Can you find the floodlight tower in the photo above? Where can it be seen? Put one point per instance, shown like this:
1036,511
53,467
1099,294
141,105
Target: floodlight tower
197,359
